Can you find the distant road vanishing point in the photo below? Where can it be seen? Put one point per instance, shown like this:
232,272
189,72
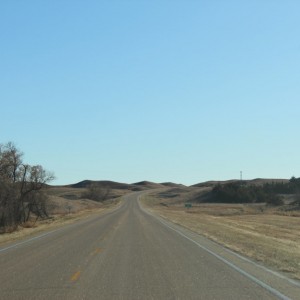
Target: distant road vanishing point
130,254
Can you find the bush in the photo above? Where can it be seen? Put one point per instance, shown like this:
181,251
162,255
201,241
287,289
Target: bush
275,200
96,193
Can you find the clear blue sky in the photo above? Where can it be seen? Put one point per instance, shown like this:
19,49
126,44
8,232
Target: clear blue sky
182,91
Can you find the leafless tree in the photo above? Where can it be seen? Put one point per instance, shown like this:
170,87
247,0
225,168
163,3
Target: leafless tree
20,188
97,193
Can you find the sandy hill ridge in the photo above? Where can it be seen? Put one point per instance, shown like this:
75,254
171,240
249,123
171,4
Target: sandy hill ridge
137,186
148,185
102,183
171,184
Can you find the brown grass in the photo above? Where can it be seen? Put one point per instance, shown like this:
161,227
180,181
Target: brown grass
29,224
265,235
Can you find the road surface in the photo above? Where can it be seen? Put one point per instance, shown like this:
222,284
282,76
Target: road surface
126,254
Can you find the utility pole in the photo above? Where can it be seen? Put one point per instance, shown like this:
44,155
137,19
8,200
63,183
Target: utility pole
241,175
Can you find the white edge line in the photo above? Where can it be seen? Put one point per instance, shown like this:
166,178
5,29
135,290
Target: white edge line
291,281
50,232
254,279
29,240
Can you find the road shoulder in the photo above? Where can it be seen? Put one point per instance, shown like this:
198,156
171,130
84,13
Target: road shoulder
280,285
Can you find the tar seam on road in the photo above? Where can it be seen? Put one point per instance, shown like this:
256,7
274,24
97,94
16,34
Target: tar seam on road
249,276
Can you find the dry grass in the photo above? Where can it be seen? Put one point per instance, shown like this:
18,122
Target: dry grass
29,224
65,200
268,236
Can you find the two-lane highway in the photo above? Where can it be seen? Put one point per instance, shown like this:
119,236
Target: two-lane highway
125,254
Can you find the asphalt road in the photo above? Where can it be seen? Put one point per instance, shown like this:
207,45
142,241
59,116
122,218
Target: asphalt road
125,254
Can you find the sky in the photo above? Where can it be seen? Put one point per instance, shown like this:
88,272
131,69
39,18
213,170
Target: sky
182,91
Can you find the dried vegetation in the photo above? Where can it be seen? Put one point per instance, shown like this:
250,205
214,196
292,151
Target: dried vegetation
270,235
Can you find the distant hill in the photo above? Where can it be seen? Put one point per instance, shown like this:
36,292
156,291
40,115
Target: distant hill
212,183
261,181
256,181
171,184
148,185
138,186
102,183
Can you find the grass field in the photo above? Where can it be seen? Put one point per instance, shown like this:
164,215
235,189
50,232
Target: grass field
264,235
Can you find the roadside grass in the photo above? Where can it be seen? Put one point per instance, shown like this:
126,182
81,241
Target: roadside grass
266,235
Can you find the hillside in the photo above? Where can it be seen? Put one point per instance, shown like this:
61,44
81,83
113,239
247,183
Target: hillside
102,183
256,181
266,191
148,185
138,186
73,197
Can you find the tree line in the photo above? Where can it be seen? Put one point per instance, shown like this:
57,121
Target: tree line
240,192
21,189
290,187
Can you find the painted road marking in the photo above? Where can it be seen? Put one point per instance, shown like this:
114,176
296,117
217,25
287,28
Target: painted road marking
95,252
76,276
227,262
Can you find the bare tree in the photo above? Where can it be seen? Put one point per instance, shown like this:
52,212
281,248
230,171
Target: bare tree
20,188
97,193
10,161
